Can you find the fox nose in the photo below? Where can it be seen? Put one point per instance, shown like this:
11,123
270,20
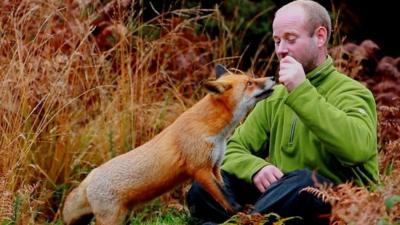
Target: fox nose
273,79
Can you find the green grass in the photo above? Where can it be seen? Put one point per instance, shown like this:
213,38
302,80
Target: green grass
161,216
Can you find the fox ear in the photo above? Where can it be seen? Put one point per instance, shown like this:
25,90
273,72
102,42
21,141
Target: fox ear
220,70
216,87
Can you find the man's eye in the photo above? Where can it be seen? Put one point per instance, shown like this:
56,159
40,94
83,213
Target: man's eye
292,40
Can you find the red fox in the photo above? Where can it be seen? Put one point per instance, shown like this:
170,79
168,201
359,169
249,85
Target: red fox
192,147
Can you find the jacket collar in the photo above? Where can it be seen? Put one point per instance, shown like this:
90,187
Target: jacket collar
320,72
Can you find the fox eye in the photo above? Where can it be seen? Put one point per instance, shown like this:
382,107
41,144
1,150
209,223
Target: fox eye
249,83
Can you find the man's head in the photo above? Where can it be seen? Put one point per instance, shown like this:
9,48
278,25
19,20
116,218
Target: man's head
302,30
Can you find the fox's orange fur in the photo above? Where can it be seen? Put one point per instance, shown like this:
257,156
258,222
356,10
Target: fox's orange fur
191,147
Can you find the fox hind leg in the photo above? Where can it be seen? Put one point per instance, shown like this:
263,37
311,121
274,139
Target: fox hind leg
114,214
106,207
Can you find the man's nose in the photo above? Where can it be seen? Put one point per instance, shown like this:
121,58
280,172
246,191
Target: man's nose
281,50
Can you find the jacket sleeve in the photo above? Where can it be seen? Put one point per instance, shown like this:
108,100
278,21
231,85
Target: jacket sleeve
246,149
346,124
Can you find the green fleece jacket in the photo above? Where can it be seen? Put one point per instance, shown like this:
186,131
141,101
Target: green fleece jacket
328,124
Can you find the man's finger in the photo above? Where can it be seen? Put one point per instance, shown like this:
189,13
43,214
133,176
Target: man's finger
271,178
289,59
260,187
266,183
278,174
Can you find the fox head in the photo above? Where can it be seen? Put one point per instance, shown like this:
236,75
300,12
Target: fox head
240,92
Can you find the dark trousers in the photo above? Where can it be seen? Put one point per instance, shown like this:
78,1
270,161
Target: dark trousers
282,197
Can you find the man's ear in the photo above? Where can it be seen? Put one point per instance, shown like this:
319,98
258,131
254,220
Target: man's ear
220,70
216,87
322,35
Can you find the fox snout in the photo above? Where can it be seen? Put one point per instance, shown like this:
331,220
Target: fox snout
265,87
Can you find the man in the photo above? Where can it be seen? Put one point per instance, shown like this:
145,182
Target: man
318,120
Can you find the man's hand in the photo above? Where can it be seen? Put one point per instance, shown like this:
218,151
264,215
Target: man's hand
266,176
291,73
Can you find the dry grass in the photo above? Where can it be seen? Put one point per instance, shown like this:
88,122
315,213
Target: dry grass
72,97
68,105
359,206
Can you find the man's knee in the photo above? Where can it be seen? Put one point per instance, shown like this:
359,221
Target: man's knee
285,197
306,178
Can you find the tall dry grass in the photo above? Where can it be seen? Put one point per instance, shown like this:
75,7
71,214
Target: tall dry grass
72,97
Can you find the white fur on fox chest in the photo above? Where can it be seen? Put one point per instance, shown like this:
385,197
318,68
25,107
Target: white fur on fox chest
219,140
218,151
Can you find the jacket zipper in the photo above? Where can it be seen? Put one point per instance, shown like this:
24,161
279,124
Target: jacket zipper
292,130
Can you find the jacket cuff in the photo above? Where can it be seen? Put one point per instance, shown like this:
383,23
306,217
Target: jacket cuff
257,167
246,170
